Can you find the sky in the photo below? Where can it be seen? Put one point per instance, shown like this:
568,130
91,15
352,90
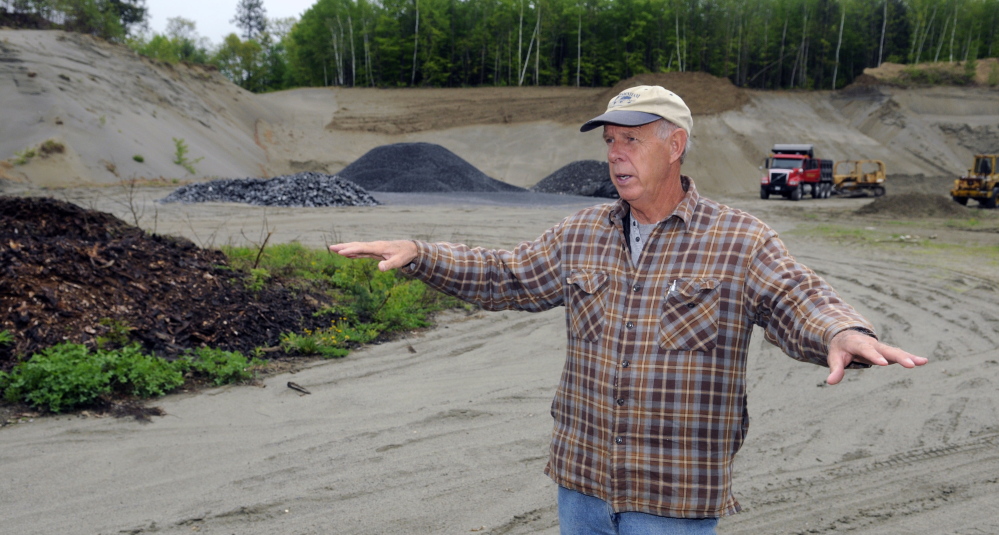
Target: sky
212,16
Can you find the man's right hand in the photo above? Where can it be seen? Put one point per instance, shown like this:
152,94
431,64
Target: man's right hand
390,254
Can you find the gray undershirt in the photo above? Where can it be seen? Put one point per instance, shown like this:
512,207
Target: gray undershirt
639,235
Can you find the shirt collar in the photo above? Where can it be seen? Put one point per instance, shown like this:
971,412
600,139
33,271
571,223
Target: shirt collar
683,211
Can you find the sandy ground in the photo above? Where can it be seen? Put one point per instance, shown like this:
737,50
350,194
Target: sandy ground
446,431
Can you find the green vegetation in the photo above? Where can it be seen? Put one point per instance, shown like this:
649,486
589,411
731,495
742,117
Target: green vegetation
69,376
24,156
180,156
368,300
368,304
767,44
138,158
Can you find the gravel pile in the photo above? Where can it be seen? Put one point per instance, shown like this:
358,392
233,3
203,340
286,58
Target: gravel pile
419,168
914,205
301,189
589,178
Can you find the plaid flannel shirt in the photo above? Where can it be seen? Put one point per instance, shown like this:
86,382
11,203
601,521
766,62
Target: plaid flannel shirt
651,406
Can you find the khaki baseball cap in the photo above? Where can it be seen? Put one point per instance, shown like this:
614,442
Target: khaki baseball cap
642,105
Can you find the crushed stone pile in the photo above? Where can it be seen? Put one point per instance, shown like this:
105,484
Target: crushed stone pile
589,178
914,205
69,274
419,168
307,189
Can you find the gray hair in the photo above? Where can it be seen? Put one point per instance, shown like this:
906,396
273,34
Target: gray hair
664,129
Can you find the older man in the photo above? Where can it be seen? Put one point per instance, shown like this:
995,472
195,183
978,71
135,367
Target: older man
661,289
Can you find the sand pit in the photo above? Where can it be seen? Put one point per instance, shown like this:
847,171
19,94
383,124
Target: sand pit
446,430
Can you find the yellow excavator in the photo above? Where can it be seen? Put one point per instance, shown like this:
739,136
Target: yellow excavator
981,183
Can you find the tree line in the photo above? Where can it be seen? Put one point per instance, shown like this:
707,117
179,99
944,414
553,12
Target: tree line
766,44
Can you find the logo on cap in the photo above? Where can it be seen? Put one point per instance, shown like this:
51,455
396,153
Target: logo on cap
623,99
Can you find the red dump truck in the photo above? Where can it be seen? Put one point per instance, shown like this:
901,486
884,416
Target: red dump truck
793,171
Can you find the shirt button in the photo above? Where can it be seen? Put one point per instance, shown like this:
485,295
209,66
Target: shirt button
620,401
636,287
626,363
629,325
619,440
691,305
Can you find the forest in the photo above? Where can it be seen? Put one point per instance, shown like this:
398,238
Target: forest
764,44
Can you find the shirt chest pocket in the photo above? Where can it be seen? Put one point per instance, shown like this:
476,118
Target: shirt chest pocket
689,316
584,304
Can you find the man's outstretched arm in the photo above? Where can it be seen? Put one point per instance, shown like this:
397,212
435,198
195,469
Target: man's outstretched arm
390,254
854,346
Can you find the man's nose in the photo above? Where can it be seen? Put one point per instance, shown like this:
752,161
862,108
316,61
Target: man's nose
613,153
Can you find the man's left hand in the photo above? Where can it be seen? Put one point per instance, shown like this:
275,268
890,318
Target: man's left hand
854,346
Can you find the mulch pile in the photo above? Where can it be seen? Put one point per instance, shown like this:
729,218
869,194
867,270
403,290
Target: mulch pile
64,269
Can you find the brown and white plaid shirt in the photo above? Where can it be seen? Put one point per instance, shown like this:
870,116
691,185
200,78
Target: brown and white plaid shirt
651,406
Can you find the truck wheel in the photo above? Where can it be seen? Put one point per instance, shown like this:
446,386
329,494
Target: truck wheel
796,193
764,194
826,190
963,201
816,191
992,200
879,191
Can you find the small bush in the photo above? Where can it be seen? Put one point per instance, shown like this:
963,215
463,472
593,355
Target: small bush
6,337
180,156
51,146
59,378
24,156
220,367
138,158
145,376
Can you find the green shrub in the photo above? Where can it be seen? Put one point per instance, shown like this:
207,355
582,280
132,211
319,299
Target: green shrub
138,158
69,376
145,376
180,156
61,377
220,367
6,337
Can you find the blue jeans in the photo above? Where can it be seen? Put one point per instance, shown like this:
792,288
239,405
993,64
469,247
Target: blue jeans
579,514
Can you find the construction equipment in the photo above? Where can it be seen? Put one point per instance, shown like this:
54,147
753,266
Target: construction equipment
793,171
981,183
859,176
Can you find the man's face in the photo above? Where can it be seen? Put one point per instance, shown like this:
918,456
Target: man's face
639,163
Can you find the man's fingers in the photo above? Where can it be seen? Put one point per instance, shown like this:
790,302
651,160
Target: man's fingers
391,254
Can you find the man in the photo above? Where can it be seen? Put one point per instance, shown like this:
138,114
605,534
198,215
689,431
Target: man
662,289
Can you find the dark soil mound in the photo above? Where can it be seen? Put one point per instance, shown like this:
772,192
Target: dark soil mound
420,168
302,189
64,269
914,205
590,178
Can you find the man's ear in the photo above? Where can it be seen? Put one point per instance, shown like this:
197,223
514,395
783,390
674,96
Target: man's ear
677,142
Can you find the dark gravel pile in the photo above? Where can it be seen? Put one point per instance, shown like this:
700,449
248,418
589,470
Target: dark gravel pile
419,168
914,205
589,178
301,189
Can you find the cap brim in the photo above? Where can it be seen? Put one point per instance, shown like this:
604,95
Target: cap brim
621,118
